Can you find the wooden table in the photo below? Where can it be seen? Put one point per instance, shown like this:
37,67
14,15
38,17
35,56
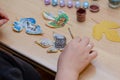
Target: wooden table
104,67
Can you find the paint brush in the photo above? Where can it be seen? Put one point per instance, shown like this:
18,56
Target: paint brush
70,33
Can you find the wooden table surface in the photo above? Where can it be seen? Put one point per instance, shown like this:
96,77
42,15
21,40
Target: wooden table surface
104,67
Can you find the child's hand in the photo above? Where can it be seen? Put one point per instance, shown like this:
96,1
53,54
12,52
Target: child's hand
3,18
75,57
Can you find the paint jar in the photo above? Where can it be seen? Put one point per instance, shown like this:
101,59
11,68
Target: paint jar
47,2
114,3
94,7
69,4
62,3
81,15
54,2
77,4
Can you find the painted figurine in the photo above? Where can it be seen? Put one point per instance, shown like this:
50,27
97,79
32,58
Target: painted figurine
29,24
77,4
47,2
45,42
62,3
70,4
48,16
59,21
54,2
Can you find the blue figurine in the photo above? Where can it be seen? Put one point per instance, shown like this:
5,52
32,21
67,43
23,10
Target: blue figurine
85,4
54,2
77,4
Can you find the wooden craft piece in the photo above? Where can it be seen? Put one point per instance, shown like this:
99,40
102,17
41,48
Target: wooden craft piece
59,21
45,42
29,24
52,50
109,29
48,16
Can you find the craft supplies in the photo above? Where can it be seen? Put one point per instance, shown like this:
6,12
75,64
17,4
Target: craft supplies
47,2
109,29
59,21
70,33
94,7
81,15
77,4
85,4
53,46
45,42
114,3
29,24
69,4
62,3
48,16
54,2
60,41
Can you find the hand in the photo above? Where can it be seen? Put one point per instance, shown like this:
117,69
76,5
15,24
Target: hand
3,17
75,57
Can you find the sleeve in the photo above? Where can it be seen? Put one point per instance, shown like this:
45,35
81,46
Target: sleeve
8,72
12,74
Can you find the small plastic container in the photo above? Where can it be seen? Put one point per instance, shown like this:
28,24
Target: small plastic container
94,7
54,2
69,4
62,3
114,3
77,4
47,2
85,4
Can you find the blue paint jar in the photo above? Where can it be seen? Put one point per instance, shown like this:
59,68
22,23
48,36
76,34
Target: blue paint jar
54,2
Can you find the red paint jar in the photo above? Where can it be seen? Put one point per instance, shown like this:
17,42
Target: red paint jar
81,15
94,7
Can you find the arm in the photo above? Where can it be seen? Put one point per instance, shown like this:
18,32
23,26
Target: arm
3,17
75,57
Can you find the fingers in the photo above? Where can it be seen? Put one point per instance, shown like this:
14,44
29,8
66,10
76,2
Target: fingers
85,41
3,15
89,47
3,21
77,39
92,55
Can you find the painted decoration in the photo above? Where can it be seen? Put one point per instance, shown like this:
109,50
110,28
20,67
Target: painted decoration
53,46
45,42
52,50
29,24
108,28
59,21
48,16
